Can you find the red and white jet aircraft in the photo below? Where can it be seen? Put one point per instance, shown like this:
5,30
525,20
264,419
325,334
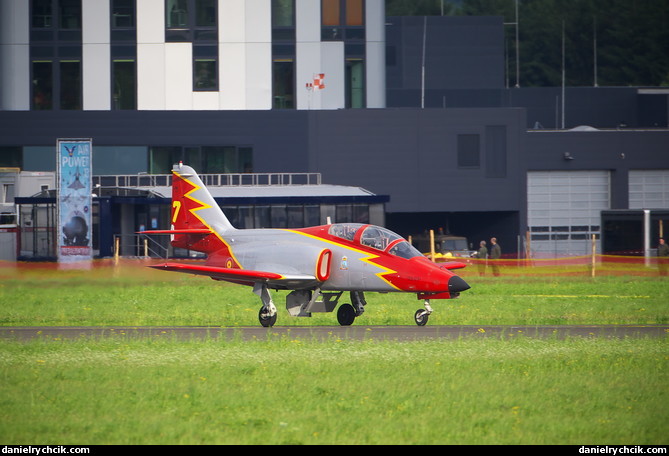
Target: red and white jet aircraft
318,264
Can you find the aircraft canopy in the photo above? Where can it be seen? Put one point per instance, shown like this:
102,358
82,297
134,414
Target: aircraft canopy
376,237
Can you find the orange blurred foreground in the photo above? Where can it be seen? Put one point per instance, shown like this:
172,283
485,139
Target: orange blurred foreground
604,265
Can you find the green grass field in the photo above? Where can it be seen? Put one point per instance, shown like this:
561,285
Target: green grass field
136,295
516,390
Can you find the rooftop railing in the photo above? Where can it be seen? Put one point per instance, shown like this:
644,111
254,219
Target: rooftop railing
214,180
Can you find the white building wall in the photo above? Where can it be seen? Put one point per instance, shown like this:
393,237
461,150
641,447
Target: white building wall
333,65
96,55
151,87
258,38
14,55
307,21
258,76
307,52
375,30
231,54
178,76
307,63
232,75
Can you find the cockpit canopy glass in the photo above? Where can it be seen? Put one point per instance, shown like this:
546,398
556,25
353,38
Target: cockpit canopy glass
405,250
375,237
344,230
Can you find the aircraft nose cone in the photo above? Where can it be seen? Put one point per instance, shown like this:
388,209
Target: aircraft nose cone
457,284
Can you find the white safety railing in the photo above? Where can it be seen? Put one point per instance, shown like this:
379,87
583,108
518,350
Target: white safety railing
215,180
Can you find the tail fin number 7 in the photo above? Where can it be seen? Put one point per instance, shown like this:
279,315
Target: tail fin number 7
176,205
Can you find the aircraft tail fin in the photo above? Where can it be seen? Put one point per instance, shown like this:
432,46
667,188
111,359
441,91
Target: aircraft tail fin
194,211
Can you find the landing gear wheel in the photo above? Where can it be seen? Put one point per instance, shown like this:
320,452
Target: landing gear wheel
346,315
421,316
265,319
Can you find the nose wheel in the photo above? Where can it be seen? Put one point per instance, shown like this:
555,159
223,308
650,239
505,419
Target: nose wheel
423,315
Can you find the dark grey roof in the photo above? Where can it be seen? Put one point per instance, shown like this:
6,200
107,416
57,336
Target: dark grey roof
272,191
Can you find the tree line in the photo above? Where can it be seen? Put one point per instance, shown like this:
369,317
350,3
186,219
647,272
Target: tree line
606,42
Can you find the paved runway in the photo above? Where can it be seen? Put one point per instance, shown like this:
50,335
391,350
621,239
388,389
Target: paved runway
319,333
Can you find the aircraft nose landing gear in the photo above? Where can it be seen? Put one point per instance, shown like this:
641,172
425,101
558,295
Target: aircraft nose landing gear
422,315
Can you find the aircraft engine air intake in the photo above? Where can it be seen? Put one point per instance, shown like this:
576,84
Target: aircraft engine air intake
323,265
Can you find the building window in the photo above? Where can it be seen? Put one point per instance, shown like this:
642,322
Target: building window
42,14
124,91
342,20
469,155
205,13
283,84
63,16
55,53
64,76
354,13
123,14
283,20
205,67
123,21
355,83
7,194
11,157
205,74
70,84
191,20
123,54
227,159
69,14
204,159
161,159
42,85
177,14
331,11
283,54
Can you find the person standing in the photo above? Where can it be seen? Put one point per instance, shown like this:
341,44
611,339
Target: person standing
662,257
495,254
482,255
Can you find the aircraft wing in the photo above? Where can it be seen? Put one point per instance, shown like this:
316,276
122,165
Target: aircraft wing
241,276
452,265
182,231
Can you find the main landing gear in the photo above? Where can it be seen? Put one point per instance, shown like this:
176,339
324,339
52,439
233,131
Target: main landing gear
267,314
302,303
347,312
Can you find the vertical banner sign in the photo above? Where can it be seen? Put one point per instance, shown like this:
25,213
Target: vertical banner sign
75,208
